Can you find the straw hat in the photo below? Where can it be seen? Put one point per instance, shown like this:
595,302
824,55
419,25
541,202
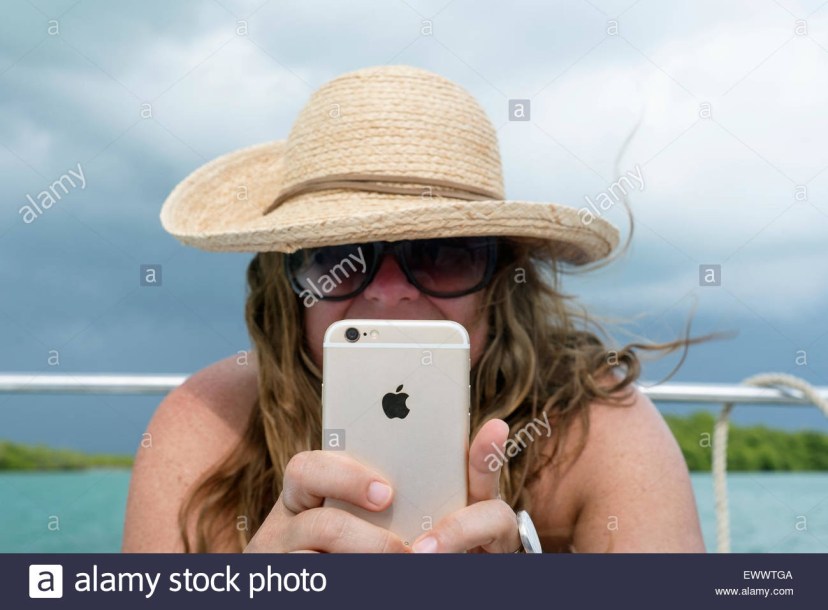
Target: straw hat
381,153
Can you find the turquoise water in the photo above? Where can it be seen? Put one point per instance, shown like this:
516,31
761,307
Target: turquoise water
766,510
89,506
769,512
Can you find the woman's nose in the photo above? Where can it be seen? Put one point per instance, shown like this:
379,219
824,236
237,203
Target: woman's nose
390,284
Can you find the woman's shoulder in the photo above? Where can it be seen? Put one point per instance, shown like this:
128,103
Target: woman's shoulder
228,389
627,425
630,465
557,494
192,429
210,410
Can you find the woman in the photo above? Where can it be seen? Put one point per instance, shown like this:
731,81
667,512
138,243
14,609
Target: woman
389,155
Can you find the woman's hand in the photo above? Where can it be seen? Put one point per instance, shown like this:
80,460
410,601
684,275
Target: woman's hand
487,524
298,521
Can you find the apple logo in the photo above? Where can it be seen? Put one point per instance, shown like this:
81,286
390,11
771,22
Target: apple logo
394,404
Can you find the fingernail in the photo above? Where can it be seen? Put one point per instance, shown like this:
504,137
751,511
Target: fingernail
378,493
426,545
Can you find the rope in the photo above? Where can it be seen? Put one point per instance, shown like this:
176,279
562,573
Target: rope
720,431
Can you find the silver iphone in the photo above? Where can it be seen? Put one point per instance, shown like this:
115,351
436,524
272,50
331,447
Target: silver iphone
395,397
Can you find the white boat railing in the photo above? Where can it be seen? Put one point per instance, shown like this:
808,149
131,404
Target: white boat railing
108,383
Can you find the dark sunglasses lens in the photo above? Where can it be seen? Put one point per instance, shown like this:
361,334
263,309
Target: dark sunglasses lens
451,265
330,271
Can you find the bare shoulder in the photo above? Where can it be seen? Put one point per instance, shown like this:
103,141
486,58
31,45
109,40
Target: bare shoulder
191,430
632,433
629,490
225,391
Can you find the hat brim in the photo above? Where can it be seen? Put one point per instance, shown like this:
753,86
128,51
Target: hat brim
219,208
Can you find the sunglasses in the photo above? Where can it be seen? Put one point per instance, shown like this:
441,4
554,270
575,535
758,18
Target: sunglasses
444,268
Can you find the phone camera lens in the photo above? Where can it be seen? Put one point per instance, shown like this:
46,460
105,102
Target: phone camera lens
352,334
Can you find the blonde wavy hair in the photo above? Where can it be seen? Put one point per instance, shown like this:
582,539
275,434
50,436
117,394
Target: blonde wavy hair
543,354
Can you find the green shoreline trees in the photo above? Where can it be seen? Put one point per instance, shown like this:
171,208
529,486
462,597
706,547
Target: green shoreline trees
15,456
754,448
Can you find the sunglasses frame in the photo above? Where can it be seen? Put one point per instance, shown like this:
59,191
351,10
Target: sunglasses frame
379,248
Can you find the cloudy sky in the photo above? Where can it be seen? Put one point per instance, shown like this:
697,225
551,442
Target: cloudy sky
729,97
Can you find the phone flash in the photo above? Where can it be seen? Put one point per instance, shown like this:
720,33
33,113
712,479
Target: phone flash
374,334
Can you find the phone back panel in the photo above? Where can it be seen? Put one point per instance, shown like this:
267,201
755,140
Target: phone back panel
418,442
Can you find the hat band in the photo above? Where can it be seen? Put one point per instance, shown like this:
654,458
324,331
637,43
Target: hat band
370,182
